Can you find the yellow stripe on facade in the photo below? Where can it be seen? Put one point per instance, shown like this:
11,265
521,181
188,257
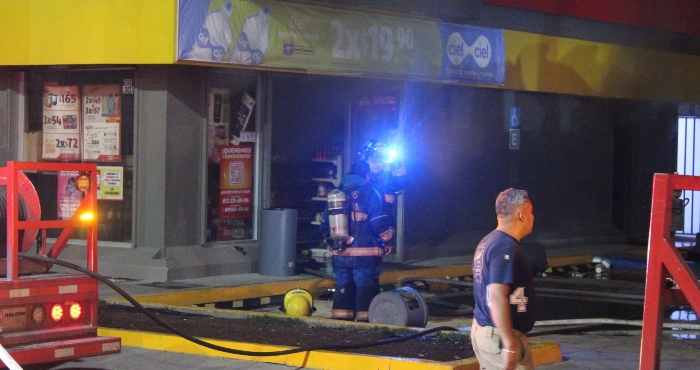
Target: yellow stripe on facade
76,32
39,32
561,65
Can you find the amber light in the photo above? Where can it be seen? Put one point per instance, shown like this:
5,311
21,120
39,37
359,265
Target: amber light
75,311
56,312
87,216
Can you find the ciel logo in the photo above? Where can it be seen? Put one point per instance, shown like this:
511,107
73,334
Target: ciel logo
457,50
203,38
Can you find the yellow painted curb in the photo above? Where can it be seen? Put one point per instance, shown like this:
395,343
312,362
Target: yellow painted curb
199,296
185,298
579,259
207,295
543,353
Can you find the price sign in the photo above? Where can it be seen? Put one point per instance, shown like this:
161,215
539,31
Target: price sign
374,42
61,123
102,123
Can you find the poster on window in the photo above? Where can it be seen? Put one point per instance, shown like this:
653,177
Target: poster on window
101,123
218,123
238,129
110,183
235,199
69,197
61,125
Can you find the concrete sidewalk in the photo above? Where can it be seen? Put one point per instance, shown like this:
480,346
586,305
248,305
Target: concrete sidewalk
593,350
616,350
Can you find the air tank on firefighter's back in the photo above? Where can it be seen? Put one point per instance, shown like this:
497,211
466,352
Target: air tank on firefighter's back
337,218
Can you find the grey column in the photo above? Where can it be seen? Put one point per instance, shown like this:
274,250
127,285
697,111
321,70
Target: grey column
170,108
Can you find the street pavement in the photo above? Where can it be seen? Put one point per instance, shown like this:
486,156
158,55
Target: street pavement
619,351
133,358
603,350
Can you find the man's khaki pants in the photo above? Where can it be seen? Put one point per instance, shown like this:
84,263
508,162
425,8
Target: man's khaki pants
487,346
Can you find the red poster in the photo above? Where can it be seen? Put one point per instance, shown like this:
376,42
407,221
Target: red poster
235,199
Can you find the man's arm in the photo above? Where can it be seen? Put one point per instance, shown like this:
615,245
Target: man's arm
500,314
397,180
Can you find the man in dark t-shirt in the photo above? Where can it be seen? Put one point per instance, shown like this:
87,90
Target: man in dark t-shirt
503,288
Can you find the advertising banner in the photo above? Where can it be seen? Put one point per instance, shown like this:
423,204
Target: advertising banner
110,183
61,123
238,128
472,54
102,123
235,200
306,37
218,123
69,197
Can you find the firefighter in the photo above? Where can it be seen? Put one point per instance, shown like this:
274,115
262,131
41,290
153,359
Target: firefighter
388,181
358,248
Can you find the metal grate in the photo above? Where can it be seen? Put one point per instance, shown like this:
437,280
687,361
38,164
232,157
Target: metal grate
689,164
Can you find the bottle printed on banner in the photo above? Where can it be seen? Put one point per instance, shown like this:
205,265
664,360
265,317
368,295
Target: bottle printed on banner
104,105
253,40
117,107
110,105
215,37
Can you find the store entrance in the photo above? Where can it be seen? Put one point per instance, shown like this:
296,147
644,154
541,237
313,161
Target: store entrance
316,139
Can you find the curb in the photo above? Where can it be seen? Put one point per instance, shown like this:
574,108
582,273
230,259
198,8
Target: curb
189,297
543,353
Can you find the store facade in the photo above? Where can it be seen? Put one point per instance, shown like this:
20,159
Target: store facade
209,132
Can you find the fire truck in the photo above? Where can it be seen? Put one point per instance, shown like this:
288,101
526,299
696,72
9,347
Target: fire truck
47,316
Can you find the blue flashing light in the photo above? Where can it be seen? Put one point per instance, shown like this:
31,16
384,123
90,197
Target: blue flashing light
392,154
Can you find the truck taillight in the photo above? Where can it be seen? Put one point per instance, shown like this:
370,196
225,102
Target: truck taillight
75,311
56,312
38,315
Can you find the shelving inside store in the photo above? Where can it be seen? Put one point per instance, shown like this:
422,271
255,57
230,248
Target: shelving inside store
328,169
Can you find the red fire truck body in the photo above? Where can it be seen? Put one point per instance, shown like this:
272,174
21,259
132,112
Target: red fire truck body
48,316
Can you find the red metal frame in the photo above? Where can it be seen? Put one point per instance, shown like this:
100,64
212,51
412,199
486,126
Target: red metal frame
51,341
664,261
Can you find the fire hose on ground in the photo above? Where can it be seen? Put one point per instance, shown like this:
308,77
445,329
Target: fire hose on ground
590,322
200,342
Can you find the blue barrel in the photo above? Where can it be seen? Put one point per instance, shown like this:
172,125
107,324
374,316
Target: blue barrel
278,235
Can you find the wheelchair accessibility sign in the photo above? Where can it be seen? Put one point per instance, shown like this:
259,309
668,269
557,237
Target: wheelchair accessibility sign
514,139
514,134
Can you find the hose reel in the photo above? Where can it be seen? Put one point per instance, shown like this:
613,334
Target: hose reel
29,209
403,306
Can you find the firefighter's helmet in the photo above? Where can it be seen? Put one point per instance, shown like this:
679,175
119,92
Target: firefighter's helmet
375,149
298,302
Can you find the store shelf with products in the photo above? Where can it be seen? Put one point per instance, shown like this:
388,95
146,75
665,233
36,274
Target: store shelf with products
295,184
331,172
327,174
